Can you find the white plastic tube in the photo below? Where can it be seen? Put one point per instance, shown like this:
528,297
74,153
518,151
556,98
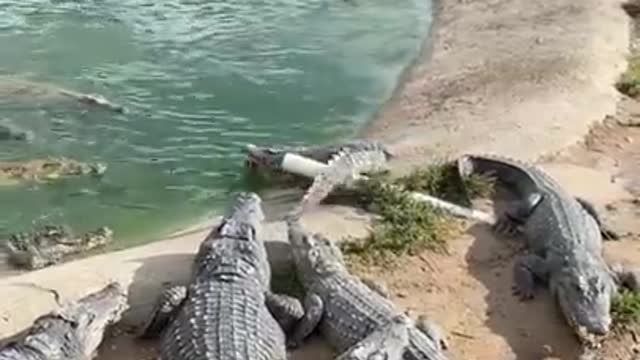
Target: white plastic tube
302,166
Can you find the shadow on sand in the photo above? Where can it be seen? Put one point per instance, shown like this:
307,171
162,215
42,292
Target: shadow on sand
532,329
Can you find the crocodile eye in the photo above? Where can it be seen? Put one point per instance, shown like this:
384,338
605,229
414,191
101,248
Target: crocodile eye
577,287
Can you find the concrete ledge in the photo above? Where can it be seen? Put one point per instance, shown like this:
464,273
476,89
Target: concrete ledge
145,269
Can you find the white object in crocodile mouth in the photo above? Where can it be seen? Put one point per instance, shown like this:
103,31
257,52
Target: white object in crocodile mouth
301,165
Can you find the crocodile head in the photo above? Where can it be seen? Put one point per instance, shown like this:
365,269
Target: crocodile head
264,158
245,218
313,254
584,295
91,315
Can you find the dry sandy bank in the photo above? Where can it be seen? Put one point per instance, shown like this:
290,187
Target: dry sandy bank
518,77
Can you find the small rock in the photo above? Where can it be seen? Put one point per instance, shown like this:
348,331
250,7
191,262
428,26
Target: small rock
628,139
610,207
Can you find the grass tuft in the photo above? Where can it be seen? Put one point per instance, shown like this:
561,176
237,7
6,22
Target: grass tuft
626,308
407,226
629,82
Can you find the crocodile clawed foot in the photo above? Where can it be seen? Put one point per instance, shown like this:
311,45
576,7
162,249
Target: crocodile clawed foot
523,293
433,331
505,226
525,270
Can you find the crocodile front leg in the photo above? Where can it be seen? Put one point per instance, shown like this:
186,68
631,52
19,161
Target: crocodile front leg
296,319
605,230
287,310
513,219
432,331
387,342
167,306
526,269
377,286
627,277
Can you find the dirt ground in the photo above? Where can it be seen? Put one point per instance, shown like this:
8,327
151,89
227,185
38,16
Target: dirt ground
468,290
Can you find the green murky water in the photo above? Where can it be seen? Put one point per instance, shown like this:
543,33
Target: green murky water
200,80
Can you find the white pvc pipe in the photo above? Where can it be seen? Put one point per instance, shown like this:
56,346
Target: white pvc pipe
311,168
301,165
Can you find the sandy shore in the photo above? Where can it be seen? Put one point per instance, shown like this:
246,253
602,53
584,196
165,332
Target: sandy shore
517,77
520,77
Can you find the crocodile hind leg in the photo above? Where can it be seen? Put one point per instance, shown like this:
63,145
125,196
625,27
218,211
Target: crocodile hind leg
387,342
605,230
167,306
297,319
433,332
526,269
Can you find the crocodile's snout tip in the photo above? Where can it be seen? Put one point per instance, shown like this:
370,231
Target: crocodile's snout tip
600,329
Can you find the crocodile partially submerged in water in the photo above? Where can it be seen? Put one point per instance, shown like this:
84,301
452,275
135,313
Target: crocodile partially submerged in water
12,133
564,235
16,172
353,313
51,244
17,91
329,166
73,332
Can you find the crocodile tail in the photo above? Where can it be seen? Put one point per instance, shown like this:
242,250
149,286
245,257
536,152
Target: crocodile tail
345,166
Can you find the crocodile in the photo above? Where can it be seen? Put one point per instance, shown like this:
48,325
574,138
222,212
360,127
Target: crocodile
228,311
330,166
18,91
271,160
352,311
564,235
51,244
16,172
12,133
73,332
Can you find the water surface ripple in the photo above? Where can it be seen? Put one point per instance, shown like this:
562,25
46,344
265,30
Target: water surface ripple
200,79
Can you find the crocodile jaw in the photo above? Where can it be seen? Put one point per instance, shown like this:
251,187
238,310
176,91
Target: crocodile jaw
97,311
585,301
245,219
314,255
